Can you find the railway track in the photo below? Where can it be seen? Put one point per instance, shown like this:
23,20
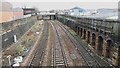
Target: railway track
97,60
58,57
75,56
58,54
37,58
89,59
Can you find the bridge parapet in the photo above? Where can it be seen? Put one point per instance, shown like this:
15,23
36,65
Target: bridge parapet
46,16
106,26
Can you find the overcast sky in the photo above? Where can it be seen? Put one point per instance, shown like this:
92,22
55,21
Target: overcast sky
64,4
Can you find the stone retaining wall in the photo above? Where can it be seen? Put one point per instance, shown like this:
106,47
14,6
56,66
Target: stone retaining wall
18,30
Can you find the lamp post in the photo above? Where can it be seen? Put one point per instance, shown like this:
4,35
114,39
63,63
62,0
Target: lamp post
9,57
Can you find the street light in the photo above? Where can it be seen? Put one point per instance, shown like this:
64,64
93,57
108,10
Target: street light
9,57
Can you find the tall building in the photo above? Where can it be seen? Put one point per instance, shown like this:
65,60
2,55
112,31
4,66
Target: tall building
76,11
17,13
6,12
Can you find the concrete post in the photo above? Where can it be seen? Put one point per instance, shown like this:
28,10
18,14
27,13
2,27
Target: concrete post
15,38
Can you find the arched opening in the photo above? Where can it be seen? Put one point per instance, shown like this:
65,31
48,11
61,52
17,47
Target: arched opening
93,40
88,36
75,29
81,32
108,49
78,31
100,45
54,17
97,30
84,34
50,17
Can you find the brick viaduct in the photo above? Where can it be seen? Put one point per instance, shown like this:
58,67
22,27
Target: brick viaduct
102,35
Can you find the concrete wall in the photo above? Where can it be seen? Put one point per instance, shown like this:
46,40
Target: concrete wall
8,37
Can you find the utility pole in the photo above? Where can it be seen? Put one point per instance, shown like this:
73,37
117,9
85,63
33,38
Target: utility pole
9,57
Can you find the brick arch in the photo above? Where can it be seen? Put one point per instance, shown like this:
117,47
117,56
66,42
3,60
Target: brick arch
109,48
97,30
84,35
75,29
78,29
88,37
93,40
81,32
100,45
